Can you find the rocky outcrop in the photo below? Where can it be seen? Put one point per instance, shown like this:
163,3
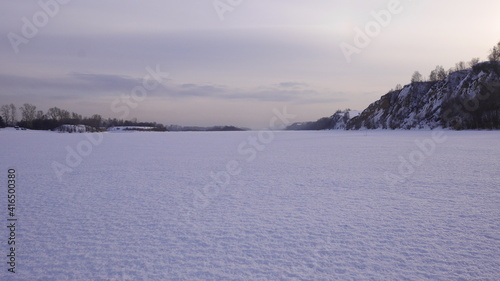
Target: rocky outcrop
466,99
335,122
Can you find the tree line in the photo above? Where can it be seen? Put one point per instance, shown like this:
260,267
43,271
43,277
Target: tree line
439,73
34,119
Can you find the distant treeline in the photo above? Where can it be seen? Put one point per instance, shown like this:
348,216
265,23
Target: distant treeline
34,119
55,118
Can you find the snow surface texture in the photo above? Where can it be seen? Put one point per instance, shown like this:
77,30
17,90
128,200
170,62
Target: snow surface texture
309,206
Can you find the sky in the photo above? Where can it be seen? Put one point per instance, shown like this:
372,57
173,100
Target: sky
229,62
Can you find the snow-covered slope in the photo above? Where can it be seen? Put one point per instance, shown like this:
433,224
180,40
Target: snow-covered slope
337,121
467,99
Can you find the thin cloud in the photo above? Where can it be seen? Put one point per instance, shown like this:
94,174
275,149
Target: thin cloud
293,85
106,82
105,85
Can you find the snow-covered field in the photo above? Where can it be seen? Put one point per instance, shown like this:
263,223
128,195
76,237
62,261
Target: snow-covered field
330,205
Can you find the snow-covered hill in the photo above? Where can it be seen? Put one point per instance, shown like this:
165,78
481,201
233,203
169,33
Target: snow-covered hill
337,121
467,99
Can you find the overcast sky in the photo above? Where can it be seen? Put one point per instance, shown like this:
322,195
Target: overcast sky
230,66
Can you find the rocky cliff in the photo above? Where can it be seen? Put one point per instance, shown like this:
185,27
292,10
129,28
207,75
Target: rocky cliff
466,99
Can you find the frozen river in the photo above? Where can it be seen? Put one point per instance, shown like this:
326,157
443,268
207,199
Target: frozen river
330,205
